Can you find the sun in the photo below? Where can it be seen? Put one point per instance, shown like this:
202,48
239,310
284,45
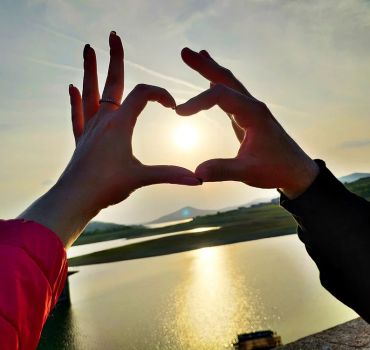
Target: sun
185,136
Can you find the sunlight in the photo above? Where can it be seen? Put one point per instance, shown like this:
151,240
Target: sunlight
208,256
185,136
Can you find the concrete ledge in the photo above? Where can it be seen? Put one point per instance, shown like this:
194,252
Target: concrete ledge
354,334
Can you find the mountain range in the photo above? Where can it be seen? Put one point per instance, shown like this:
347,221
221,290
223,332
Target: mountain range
353,177
191,212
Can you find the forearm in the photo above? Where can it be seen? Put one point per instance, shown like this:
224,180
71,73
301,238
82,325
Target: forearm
334,225
64,210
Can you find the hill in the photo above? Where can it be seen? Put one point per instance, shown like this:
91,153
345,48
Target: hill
361,187
243,224
183,213
353,177
97,226
191,212
258,221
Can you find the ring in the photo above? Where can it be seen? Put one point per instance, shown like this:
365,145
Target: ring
109,100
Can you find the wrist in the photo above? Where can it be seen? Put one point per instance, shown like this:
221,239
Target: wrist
64,210
302,181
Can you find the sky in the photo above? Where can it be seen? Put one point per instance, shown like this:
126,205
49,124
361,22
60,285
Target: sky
309,61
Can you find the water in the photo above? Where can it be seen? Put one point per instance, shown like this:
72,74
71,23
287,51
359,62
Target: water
114,243
168,223
196,300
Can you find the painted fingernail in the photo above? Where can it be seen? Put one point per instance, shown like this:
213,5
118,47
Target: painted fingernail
86,49
191,181
204,53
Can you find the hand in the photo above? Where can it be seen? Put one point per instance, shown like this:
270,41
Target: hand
104,133
103,170
268,157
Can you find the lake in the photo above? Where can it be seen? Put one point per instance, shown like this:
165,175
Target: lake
198,299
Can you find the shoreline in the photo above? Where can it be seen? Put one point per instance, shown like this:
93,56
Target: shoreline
176,244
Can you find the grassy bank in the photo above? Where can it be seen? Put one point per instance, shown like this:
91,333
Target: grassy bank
243,224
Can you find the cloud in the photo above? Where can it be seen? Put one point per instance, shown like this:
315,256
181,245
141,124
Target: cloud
164,76
53,64
130,63
355,143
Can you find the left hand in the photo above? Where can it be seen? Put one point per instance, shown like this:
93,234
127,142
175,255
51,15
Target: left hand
103,135
103,170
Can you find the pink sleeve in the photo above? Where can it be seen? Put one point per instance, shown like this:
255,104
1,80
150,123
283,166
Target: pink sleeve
33,269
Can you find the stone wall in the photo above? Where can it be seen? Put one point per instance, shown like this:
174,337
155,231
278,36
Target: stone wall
354,334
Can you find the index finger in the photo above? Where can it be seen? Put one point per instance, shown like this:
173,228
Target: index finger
206,66
137,99
246,109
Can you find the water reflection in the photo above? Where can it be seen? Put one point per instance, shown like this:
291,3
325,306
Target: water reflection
99,246
198,299
168,223
60,331
213,303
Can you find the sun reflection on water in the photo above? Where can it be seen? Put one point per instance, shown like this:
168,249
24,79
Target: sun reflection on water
211,305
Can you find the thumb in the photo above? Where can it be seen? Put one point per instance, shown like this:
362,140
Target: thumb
158,174
221,170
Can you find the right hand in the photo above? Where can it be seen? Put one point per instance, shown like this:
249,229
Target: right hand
268,157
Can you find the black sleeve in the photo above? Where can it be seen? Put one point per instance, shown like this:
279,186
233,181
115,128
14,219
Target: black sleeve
334,225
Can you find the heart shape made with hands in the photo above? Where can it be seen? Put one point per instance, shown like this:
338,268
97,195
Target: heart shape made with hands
222,83
264,151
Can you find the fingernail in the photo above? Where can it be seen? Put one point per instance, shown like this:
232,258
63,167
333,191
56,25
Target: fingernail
191,181
204,53
113,32
70,86
86,49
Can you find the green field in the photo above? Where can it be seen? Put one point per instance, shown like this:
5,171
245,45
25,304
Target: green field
243,224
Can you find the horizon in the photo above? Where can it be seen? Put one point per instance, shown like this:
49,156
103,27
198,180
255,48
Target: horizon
312,73
229,208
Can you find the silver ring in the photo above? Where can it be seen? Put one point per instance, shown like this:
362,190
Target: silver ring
109,100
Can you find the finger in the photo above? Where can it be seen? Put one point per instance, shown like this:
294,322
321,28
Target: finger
221,170
205,65
239,131
90,91
139,97
113,88
76,112
206,54
246,109
157,174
